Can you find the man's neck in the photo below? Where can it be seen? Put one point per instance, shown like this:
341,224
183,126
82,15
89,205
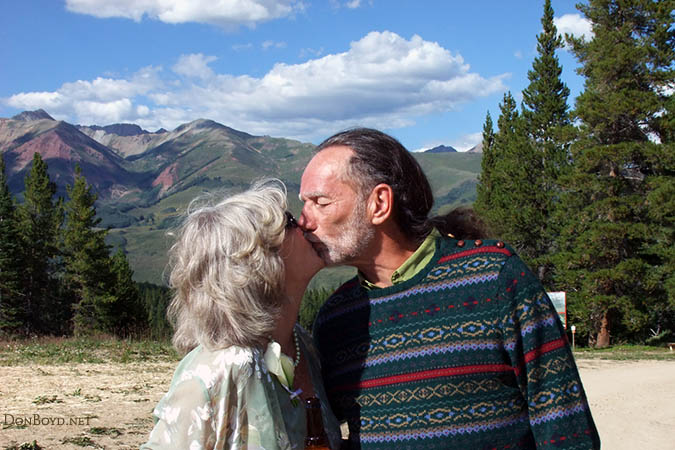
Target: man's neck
390,251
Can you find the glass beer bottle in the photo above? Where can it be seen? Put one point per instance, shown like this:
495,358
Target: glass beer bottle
316,436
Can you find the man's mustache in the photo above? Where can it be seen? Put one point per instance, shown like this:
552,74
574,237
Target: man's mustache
312,239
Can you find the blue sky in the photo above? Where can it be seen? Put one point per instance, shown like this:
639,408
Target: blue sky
425,71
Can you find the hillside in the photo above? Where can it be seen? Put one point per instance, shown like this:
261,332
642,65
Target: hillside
145,180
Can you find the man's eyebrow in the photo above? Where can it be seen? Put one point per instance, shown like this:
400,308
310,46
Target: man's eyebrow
315,194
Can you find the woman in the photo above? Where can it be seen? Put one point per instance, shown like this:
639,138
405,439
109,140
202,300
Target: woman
239,270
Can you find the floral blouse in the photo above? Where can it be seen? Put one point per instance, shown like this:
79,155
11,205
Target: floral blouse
228,399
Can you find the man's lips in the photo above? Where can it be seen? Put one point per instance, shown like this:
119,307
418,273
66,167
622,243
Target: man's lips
312,239
318,246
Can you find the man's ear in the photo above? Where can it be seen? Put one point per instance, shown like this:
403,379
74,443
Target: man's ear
380,203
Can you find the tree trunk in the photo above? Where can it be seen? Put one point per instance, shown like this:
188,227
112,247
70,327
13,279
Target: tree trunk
603,334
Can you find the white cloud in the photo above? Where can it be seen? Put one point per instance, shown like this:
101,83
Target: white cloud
467,141
518,54
114,111
224,13
575,25
382,81
242,47
142,110
101,101
305,52
350,4
273,44
194,65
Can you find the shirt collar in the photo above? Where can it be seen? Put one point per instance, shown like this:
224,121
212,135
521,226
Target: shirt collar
411,266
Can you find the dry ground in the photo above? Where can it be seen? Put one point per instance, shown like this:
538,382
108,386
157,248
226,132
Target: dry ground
109,405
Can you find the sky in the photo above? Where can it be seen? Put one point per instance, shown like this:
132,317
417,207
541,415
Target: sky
424,71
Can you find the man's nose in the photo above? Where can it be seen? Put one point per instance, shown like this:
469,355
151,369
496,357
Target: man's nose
305,222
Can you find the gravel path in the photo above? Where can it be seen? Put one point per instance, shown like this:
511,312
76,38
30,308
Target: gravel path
109,405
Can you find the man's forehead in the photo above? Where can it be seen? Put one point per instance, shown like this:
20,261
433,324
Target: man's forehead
331,158
325,170
328,164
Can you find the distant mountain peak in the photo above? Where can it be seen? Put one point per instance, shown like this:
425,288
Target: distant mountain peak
478,148
441,149
29,116
208,124
121,129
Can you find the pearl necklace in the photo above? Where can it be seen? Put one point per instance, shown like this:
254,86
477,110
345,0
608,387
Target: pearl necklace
296,361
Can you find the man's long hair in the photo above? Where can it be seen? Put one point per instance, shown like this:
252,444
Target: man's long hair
380,158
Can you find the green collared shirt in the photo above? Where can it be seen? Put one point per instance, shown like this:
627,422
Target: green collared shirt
412,265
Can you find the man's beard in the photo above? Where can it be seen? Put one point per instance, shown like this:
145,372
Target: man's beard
357,236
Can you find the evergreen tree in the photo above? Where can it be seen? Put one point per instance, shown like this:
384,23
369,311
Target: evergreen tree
87,260
129,314
510,197
39,221
610,263
484,187
12,314
156,299
545,98
545,112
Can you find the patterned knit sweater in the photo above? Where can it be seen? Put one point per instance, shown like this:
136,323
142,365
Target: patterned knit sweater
468,354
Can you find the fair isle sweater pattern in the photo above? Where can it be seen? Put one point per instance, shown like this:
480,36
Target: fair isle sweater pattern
469,353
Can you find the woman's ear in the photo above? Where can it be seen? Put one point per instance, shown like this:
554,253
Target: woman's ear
380,203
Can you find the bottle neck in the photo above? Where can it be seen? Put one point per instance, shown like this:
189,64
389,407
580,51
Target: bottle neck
316,435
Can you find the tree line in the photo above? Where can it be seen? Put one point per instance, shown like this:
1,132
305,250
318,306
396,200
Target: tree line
57,274
587,196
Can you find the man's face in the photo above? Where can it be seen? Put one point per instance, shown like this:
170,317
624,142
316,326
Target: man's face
334,215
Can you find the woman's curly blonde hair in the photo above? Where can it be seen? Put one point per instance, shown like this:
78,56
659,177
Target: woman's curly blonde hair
226,269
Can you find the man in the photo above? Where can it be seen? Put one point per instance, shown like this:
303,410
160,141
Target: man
438,342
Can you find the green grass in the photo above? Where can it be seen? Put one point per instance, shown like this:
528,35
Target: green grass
25,446
81,441
626,353
54,351
114,432
105,349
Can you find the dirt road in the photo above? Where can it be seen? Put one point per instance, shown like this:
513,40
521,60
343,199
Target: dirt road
633,403
109,405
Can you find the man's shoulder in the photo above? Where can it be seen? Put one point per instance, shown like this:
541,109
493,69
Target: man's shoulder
347,293
451,248
346,289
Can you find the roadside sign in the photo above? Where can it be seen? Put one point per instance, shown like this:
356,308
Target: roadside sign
559,300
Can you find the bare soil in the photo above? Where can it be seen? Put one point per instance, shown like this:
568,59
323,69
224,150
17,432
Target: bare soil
110,405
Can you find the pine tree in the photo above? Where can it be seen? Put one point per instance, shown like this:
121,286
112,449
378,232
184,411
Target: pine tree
86,260
609,260
484,188
509,198
12,314
155,300
545,98
39,221
545,112
128,312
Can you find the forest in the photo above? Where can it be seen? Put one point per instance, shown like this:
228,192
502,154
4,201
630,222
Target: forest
587,195
584,193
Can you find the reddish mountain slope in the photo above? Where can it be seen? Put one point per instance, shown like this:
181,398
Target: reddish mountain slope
63,147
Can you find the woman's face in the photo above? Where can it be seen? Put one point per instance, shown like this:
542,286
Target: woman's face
300,260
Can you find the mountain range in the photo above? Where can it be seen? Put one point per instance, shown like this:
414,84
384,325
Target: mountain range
145,180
